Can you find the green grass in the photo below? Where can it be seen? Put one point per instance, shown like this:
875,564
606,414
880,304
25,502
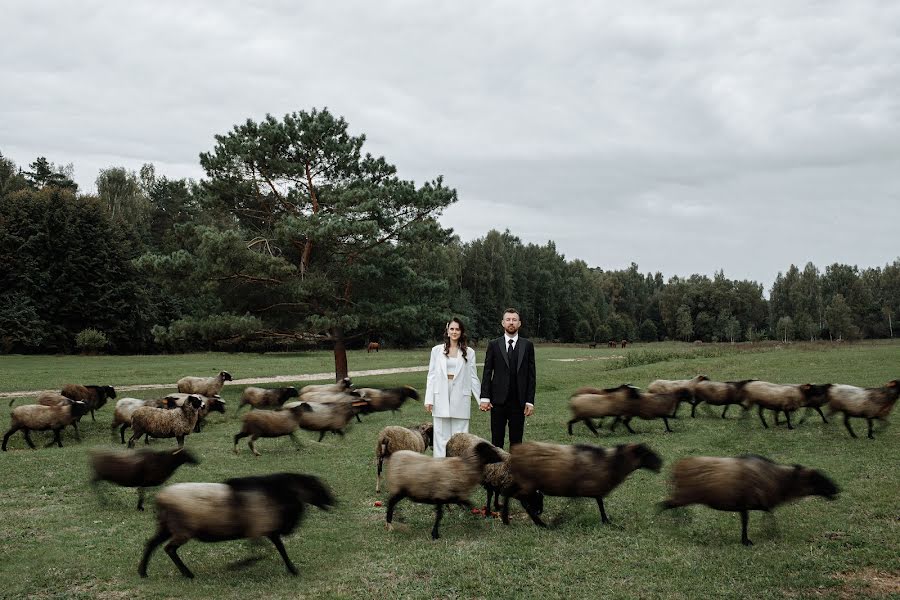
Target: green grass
58,541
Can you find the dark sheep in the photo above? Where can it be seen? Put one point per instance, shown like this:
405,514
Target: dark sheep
742,484
94,396
245,507
140,469
721,393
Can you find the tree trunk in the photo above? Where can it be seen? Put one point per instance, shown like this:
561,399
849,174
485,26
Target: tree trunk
340,354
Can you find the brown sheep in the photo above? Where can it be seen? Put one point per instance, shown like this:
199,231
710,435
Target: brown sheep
742,484
36,417
257,397
341,386
140,469
867,403
436,481
163,423
588,403
93,395
649,405
784,398
394,438
720,393
575,471
388,399
673,385
269,424
205,386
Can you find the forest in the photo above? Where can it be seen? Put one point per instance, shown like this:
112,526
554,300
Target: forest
296,237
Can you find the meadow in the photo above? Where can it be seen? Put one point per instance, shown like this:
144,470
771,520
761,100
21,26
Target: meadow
58,539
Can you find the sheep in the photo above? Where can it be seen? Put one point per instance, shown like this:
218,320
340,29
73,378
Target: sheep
54,399
673,385
497,480
93,395
868,403
256,397
37,417
436,481
720,393
649,405
328,417
210,404
587,403
271,423
785,398
394,438
243,507
341,386
162,423
332,397
205,386
387,399
582,470
122,413
140,469
744,483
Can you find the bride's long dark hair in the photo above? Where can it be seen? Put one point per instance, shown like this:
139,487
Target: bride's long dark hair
463,340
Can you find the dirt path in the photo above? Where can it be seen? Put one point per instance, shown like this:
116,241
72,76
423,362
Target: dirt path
276,379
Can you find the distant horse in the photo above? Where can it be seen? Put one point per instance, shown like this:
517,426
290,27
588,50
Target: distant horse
611,343
624,343
373,346
592,345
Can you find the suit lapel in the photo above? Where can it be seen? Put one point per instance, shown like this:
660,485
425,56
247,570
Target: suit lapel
442,363
501,343
459,363
520,353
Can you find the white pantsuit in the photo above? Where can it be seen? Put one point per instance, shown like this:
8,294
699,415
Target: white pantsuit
451,400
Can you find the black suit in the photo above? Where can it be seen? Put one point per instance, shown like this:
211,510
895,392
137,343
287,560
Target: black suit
509,387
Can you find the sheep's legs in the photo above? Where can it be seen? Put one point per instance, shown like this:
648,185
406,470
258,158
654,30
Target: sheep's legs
725,410
93,418
122,431
172,551
279,545
77,433
603,517
871,421
570,423
378,474
237,437
180,439
321,435
821,414
140,505
295,440
161,535
745,516
11,431
438,513
787,415
392,502
252,444
763,419
694,409
846,424
487,502
531,513
666,421
57,438
627,423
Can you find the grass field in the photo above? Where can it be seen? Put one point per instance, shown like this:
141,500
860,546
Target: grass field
58,541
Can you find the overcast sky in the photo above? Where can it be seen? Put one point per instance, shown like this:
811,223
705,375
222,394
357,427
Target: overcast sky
684,136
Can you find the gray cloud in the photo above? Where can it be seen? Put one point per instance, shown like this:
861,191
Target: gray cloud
686,137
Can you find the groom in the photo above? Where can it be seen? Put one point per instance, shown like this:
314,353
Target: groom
508,382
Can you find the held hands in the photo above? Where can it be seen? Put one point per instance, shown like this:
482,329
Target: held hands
485,406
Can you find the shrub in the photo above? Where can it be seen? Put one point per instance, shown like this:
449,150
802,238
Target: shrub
91,340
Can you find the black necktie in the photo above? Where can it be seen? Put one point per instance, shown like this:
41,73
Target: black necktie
509,351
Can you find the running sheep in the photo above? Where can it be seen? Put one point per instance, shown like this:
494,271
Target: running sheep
270,424
580,470
162,423
436,481
94,396
257,397
268,506
140,469
210,404
497,480
122,413
589,403
341,386
394,438
742,484
37,417
720,393
650,405
866,403
784,398
205,386
675,385
388,399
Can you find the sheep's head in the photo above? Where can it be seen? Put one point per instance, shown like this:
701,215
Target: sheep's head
311,490
645,457
78,408
410,392
216,404
533,502
109,391
427,432
290,392
225,375
811,482
346,383
486,453
196,402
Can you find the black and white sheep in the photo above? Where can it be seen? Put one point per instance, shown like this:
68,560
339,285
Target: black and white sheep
257,397
140,469
245,507
437,481
94,396
37,417
674,385
497,480
742,484
163,423
580,470
589,403
720,393
866,403
394,438
205,386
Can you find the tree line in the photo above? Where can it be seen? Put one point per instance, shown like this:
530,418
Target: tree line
296,237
